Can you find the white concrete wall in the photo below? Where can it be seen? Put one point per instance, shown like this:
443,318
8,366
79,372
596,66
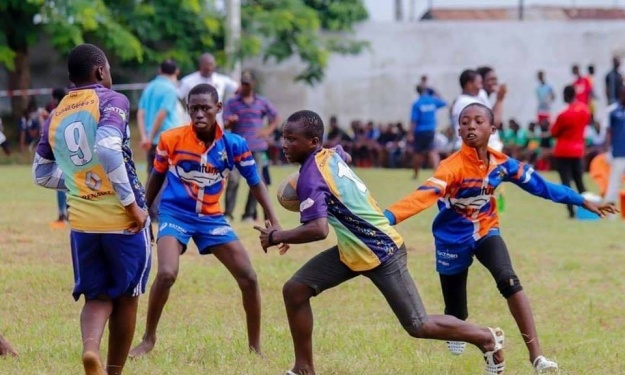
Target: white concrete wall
379,84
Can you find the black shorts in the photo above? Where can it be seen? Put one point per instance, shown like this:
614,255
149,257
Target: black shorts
424,141
325,271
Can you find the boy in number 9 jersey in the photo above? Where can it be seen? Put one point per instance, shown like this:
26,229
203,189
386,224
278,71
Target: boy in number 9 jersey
84,149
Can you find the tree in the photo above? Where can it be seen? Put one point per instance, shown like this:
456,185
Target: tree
139,34
280,29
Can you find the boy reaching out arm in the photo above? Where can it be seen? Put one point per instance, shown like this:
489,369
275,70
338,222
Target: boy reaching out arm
467,224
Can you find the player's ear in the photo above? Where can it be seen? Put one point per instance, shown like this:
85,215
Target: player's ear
220,105
315,141
99,73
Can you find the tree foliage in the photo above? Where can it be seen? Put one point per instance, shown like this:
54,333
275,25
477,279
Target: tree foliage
140,33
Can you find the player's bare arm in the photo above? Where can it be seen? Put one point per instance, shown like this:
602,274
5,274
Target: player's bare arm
154,186
262,196
311,231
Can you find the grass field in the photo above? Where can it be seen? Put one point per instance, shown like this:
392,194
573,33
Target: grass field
571,270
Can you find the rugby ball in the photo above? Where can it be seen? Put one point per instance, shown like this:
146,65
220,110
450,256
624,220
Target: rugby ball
287,193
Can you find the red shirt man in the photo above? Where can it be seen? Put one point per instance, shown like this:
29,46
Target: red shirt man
568,130
583,87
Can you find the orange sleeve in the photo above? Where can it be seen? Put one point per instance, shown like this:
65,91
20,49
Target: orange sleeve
161,159
425,196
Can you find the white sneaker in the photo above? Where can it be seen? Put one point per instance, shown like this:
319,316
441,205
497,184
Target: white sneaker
493,368
544,365
456,347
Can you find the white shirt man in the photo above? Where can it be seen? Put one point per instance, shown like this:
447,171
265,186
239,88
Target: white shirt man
206,74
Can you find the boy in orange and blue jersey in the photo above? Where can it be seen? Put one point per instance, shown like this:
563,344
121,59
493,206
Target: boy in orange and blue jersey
467,224
195,160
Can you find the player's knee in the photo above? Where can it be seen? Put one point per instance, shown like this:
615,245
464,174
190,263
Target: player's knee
166,278
508,283
295,292
248,281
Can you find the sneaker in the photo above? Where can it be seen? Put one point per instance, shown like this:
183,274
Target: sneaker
456,347
544,365
493,368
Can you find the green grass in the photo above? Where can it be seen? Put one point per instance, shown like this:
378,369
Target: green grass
571,270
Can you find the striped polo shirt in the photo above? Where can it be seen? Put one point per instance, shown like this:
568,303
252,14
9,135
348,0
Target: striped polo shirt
251,119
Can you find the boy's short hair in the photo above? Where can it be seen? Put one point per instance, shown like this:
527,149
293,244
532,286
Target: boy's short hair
489,112
484,70
82,60
204,88
311,122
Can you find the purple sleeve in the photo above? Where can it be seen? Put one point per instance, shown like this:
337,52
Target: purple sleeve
114,110
312,192
43,148
270,110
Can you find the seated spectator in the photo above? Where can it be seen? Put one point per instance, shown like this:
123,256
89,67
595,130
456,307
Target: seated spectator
543,162
595,138
515,141
30,127
4,144
337,136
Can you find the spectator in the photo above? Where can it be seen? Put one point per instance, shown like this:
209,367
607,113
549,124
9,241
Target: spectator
206,73
583,88
337,136
157,109
244,115
515,141
595,137
545,97
568,132
423,83
30,127
61,197
423,129
616,135
613,81
4,144
158,112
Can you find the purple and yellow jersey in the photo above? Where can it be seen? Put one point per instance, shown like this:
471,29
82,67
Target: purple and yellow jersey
327,187
464,188
87,137
196,175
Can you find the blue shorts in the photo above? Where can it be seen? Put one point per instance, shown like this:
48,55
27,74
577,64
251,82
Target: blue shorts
110,265
424,141
206,231
451,259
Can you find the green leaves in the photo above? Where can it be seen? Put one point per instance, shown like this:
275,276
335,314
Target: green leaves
289,28
139,34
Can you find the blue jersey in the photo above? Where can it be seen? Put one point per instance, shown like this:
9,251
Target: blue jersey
617,131
424,113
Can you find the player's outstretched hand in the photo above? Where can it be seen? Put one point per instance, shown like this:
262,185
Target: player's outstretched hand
265,237
138,215
601,210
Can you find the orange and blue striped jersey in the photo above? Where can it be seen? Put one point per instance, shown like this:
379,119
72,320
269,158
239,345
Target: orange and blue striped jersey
464,188
196,173
327,187
88,139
